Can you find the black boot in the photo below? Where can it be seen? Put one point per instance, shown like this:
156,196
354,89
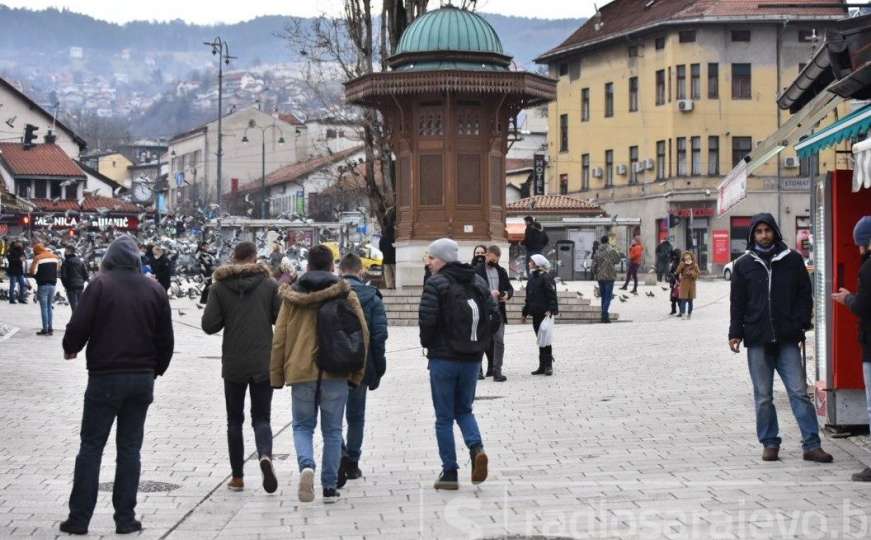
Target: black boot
540,370
548,363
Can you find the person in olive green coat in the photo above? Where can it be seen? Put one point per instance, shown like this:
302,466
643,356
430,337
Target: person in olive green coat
244,303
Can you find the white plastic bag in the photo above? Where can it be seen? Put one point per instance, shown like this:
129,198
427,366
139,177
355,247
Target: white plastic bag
545,332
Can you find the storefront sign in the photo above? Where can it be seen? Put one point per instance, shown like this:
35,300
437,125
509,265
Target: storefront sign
733,189
795,184
722,253
62,221
538,174
693,212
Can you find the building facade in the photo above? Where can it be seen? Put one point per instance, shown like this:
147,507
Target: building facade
658,101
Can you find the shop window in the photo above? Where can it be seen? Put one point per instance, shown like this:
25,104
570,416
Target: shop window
741,81
686,36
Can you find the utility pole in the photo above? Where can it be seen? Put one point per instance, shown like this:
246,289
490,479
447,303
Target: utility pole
221,49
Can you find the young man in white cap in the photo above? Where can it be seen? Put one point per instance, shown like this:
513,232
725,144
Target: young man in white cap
457,319
860,304
541,302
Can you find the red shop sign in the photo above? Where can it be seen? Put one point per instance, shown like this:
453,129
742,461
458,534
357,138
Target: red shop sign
721,246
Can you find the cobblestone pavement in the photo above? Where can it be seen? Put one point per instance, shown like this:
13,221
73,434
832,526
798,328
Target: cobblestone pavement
645,431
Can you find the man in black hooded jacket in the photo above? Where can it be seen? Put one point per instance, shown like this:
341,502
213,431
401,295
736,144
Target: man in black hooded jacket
771,306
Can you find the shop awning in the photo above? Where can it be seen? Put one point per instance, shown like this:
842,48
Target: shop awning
515,231
862,165
852,125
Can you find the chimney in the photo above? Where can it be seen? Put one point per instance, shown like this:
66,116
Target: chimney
50,137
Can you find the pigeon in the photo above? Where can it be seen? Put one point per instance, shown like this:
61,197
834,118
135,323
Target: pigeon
664,288
580,294
199,306
624,297
180,313
621,299
650,294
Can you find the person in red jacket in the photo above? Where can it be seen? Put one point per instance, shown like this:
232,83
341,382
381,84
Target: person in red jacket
636,257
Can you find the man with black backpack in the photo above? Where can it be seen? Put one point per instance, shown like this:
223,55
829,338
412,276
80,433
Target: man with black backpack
458,316
319,348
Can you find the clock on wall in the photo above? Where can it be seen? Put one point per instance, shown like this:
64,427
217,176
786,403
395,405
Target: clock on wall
142,192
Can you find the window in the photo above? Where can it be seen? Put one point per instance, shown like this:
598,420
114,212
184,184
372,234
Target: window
39,191
713,156
563,70
669,158
585,172
713,81
659,43
609,100
741,35
585,104
695,81
741,146
72,192
695,156
681,143
563,184
660,160
806,36
633,162
22,187
660,87
563,133
633,94
809,166
741,82
686,36
609,168
681,74
55,190
633,51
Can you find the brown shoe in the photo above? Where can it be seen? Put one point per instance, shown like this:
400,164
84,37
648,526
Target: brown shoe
479,465
818,455
770,454
236,484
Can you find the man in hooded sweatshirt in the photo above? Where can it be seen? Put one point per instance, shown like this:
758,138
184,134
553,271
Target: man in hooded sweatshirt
771,307
125,320
244,303
294,351
73,276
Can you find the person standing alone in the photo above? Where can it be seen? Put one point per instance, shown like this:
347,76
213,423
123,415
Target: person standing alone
687,275
500,287
636,258
771,307
73,276
244,303
45,269
15,271
605,262
541,303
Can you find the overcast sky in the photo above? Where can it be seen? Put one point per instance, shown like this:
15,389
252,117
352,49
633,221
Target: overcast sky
215,11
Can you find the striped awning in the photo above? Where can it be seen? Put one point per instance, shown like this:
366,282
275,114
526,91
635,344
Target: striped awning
862,165
852,125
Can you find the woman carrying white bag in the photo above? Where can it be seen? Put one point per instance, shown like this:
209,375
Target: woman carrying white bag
541,304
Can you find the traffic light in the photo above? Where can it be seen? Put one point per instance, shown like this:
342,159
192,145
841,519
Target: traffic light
29,135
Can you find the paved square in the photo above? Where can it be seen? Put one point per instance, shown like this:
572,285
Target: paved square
646,430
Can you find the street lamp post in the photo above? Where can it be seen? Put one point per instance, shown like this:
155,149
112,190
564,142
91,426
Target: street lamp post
264,201
221,49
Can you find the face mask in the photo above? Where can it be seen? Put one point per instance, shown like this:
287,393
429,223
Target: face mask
492,263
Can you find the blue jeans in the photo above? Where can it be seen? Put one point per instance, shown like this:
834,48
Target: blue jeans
785,358
606,291
453,391
125,396
45,294
21,282
333,395
866,369
686,306
355,414
74,295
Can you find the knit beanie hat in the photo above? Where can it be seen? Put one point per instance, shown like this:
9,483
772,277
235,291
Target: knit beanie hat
444,249
862,232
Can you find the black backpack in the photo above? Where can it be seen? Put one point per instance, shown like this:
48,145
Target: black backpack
469,322
341,347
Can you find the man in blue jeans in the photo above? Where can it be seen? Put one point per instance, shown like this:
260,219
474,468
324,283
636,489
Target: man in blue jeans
771,307
605,262
125,320
15,271
44,269
456,317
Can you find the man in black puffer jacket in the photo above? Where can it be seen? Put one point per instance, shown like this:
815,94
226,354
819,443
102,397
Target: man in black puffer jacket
452,298
771,307
73,276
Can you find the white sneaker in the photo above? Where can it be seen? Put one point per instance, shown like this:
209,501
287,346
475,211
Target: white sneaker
307,485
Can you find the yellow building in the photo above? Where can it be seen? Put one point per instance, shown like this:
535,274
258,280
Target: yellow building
657,100
115,166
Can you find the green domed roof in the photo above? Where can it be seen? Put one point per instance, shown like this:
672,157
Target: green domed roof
449,29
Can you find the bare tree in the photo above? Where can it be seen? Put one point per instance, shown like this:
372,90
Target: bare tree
344,49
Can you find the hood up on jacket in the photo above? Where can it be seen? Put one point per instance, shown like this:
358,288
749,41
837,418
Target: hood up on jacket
123,254
241,278
314,287
769,220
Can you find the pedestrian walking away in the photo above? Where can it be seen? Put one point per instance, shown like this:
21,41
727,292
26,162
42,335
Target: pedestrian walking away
457,318
674,281
244,304
663,259
125,320
500,287
206,264
44,269
541,303
636,259
319,348
351,268
688,275
605,260
860,304
770,311
73,276
15,271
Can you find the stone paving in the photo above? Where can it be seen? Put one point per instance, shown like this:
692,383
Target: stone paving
645,431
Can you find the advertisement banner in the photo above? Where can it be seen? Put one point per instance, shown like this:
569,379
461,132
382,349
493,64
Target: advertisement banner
733,189
722,253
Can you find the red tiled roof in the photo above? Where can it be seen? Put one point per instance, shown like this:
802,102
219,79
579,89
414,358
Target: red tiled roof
514,164
92,203
553,202
39,160
625,16
290,119
48,205
295,171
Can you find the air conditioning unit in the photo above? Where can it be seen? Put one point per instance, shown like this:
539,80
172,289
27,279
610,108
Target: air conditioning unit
790,162
597,172
684,105
648,164
621,170
639,166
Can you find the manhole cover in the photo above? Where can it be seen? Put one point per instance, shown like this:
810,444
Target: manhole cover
145,487
484,398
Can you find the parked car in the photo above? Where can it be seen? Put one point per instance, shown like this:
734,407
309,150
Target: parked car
727,270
